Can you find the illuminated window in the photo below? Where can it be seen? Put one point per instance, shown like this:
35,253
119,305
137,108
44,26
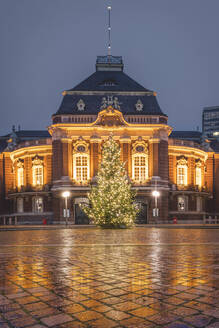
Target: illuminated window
81,168
182,175
20,205
198,176
20,177
199,204
37,204
182,203
140,167
37,175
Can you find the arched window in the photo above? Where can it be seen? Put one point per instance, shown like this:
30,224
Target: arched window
37,171
81,162
182,172
140,162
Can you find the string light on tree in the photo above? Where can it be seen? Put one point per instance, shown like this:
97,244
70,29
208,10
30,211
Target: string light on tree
112,199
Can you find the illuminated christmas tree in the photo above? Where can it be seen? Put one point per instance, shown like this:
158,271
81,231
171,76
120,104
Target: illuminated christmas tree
111,200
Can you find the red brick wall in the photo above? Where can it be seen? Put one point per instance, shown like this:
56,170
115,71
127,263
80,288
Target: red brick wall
163,166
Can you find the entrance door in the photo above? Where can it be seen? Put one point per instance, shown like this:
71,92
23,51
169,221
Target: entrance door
80,216
142,215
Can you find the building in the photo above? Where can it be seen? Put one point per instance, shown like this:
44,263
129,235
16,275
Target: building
36,167
210,121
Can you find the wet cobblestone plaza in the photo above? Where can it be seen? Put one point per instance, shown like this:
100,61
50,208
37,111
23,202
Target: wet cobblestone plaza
144,277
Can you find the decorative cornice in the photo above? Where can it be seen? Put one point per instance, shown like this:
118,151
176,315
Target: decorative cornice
110,117
102,93
20,163
37,160
182,160
80,147
140,146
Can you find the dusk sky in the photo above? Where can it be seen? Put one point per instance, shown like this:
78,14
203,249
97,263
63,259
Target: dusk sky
47,46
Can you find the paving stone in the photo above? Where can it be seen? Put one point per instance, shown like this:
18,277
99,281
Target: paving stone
214,325
74,308
214,312
24,322
178,325
143,312
124,286
117,315
198,320
103,322
87,316
56,319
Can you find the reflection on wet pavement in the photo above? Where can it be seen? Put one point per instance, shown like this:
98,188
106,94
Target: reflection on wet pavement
105,278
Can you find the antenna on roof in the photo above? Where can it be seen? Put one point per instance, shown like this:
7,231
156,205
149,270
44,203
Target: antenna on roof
109,32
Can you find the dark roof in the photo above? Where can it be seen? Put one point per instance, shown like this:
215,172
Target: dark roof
188,135
3,145
94,102
109,80
22,135
98,80
215,146
30,134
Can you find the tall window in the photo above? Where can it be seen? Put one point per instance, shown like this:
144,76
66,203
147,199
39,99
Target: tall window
182,171
81,159
199,204
37,204
140,161
20,177
81,168
140,169
20,205
37,175
198,176
182,175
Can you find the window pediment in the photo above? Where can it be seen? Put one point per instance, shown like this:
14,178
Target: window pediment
37,161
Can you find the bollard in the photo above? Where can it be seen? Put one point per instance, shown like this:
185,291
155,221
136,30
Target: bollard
10,221
15,220
4,221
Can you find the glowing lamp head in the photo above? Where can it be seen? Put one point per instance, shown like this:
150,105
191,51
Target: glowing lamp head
66,194
109,7
155,193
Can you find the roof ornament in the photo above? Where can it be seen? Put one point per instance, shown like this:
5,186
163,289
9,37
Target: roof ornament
109,32
139,105
80,104
110,101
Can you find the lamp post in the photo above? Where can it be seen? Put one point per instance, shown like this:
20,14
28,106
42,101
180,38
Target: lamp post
156,194
65,195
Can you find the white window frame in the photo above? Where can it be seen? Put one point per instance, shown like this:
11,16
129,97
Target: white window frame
20,205
182,181
35,207
20,177
75,157
140,178
198,176
36,181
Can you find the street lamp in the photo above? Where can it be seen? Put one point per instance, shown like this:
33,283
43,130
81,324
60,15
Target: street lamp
156,194
65,195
